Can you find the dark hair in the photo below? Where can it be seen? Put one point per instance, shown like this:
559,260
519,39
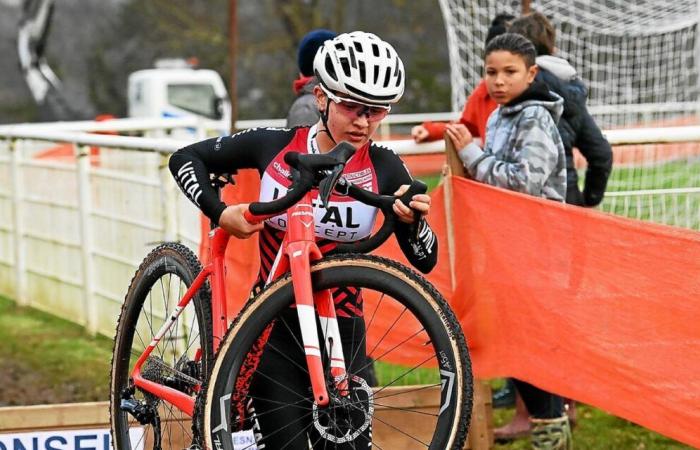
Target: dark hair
515,44
538,29
499,25
308,47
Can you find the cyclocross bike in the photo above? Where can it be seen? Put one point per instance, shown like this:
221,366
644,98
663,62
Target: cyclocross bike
401,377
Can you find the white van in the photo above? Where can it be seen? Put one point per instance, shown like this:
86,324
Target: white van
174,89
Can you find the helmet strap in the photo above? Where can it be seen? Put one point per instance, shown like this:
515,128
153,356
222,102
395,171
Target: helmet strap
324,120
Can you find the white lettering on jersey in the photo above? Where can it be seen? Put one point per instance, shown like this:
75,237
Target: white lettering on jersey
188,182
344,220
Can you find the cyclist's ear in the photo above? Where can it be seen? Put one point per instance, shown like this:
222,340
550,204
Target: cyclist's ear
320,98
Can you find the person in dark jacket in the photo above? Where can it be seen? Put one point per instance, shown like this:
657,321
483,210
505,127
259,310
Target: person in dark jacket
576,127
304,111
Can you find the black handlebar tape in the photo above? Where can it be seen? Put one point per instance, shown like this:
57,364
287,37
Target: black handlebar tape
294,194
385,203
416,187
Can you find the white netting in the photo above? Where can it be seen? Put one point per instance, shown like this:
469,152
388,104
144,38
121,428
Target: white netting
638,58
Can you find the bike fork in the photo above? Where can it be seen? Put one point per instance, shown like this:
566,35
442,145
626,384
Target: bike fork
300,254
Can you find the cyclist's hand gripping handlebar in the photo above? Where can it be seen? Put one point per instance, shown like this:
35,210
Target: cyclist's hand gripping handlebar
323,170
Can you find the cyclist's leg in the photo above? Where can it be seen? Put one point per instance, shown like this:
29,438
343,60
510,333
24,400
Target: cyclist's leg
280,388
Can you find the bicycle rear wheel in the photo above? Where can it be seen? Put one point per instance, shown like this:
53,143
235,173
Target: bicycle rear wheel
180,360
259,386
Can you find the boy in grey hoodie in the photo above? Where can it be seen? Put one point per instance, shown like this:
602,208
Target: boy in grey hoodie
523,151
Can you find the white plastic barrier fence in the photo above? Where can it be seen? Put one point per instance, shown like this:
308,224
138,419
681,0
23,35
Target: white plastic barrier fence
80,211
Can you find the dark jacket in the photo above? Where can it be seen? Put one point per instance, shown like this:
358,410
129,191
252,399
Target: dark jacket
578,129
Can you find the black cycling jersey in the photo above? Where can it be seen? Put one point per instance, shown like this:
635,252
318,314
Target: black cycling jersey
372,167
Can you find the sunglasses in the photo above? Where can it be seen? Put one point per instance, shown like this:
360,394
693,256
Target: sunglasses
352,108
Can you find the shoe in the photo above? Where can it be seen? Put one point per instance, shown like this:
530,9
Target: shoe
504,397
551,434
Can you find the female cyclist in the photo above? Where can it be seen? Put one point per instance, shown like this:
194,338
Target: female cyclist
360,76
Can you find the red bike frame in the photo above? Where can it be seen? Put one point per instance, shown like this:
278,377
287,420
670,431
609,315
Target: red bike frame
299,250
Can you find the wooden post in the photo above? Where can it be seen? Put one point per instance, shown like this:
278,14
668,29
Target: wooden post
525,7
480,435
453,167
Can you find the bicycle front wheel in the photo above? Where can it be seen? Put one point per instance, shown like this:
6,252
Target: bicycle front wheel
180,360
407,362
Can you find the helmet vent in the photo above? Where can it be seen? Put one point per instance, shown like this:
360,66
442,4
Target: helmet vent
376,74
358,46
353,60
375,50
329,68
363,74
345,64
387,77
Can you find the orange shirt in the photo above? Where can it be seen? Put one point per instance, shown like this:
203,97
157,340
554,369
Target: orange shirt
476,112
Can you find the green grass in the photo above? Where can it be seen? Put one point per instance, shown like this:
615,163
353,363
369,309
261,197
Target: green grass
678,209
49,360
56,361
401,376
595,430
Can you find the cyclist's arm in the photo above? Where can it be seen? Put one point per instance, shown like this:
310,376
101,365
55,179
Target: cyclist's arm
192,165
421,250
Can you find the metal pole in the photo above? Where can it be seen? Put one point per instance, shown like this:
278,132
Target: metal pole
233,45
19,250
85,210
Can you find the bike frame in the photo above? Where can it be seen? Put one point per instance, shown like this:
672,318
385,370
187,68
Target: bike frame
298,251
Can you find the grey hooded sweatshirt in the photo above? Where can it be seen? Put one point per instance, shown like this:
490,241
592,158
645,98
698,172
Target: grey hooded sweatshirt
523,150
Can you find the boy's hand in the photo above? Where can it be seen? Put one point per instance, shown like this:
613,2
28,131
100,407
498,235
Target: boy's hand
419,133
459,135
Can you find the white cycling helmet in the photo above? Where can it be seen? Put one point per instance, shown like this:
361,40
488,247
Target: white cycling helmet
362,67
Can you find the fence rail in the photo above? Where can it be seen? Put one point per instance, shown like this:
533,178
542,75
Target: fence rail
77,225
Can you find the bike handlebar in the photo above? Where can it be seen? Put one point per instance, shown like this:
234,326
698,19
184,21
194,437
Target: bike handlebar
312,169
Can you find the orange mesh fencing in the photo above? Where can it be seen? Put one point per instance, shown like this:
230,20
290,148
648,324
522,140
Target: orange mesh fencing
595,307
599,308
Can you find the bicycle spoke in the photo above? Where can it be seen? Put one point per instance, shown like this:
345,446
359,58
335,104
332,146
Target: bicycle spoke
397,346
396,408
388,330
397,379
400,431
421,388
280,384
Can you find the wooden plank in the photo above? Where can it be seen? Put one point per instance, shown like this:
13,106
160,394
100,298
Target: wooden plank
70,416
481,426
54,417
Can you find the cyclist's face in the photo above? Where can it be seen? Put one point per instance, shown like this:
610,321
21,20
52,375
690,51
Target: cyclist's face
350,121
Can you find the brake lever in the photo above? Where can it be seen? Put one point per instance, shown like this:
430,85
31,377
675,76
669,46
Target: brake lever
327,185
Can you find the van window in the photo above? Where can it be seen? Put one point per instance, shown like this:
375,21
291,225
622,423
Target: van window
196,98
